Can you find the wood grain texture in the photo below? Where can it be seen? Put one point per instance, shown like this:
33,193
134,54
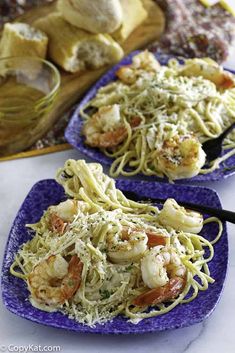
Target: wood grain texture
73,86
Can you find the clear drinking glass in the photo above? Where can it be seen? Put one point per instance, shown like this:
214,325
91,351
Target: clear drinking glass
28,89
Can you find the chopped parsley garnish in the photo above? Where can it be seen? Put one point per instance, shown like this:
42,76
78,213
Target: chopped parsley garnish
105,294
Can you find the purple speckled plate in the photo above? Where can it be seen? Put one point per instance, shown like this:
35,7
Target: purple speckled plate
48,192
74,137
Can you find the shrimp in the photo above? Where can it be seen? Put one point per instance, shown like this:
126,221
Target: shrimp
155,239
66,210
105,128
53,281
210,70
181,157
141,63
127,246
63,214
180,218
56,224
163,272
131,244
162,294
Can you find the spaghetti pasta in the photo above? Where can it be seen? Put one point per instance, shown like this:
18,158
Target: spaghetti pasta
99,254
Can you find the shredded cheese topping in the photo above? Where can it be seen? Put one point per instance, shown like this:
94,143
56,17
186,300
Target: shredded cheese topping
172,102
108,232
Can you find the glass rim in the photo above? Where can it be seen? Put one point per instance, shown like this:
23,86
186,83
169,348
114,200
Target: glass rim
44,61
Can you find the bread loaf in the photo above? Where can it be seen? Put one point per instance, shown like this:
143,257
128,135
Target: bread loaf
20,39
134,14
96,16
75,49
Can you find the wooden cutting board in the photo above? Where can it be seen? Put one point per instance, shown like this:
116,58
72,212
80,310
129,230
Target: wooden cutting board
73,86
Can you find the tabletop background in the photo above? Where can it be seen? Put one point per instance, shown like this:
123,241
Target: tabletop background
216,334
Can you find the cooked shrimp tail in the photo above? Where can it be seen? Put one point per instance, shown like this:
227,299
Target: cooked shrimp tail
72,281
162,294
155,239
56,224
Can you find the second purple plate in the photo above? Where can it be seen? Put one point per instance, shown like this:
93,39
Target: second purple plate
74,137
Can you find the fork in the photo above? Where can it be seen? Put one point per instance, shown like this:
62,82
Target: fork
223,215
213,147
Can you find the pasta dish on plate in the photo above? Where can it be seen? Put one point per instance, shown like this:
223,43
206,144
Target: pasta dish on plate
98,254
153,119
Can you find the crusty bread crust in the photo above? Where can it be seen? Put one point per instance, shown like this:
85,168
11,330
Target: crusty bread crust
96,16
20,39
75,49
134,14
